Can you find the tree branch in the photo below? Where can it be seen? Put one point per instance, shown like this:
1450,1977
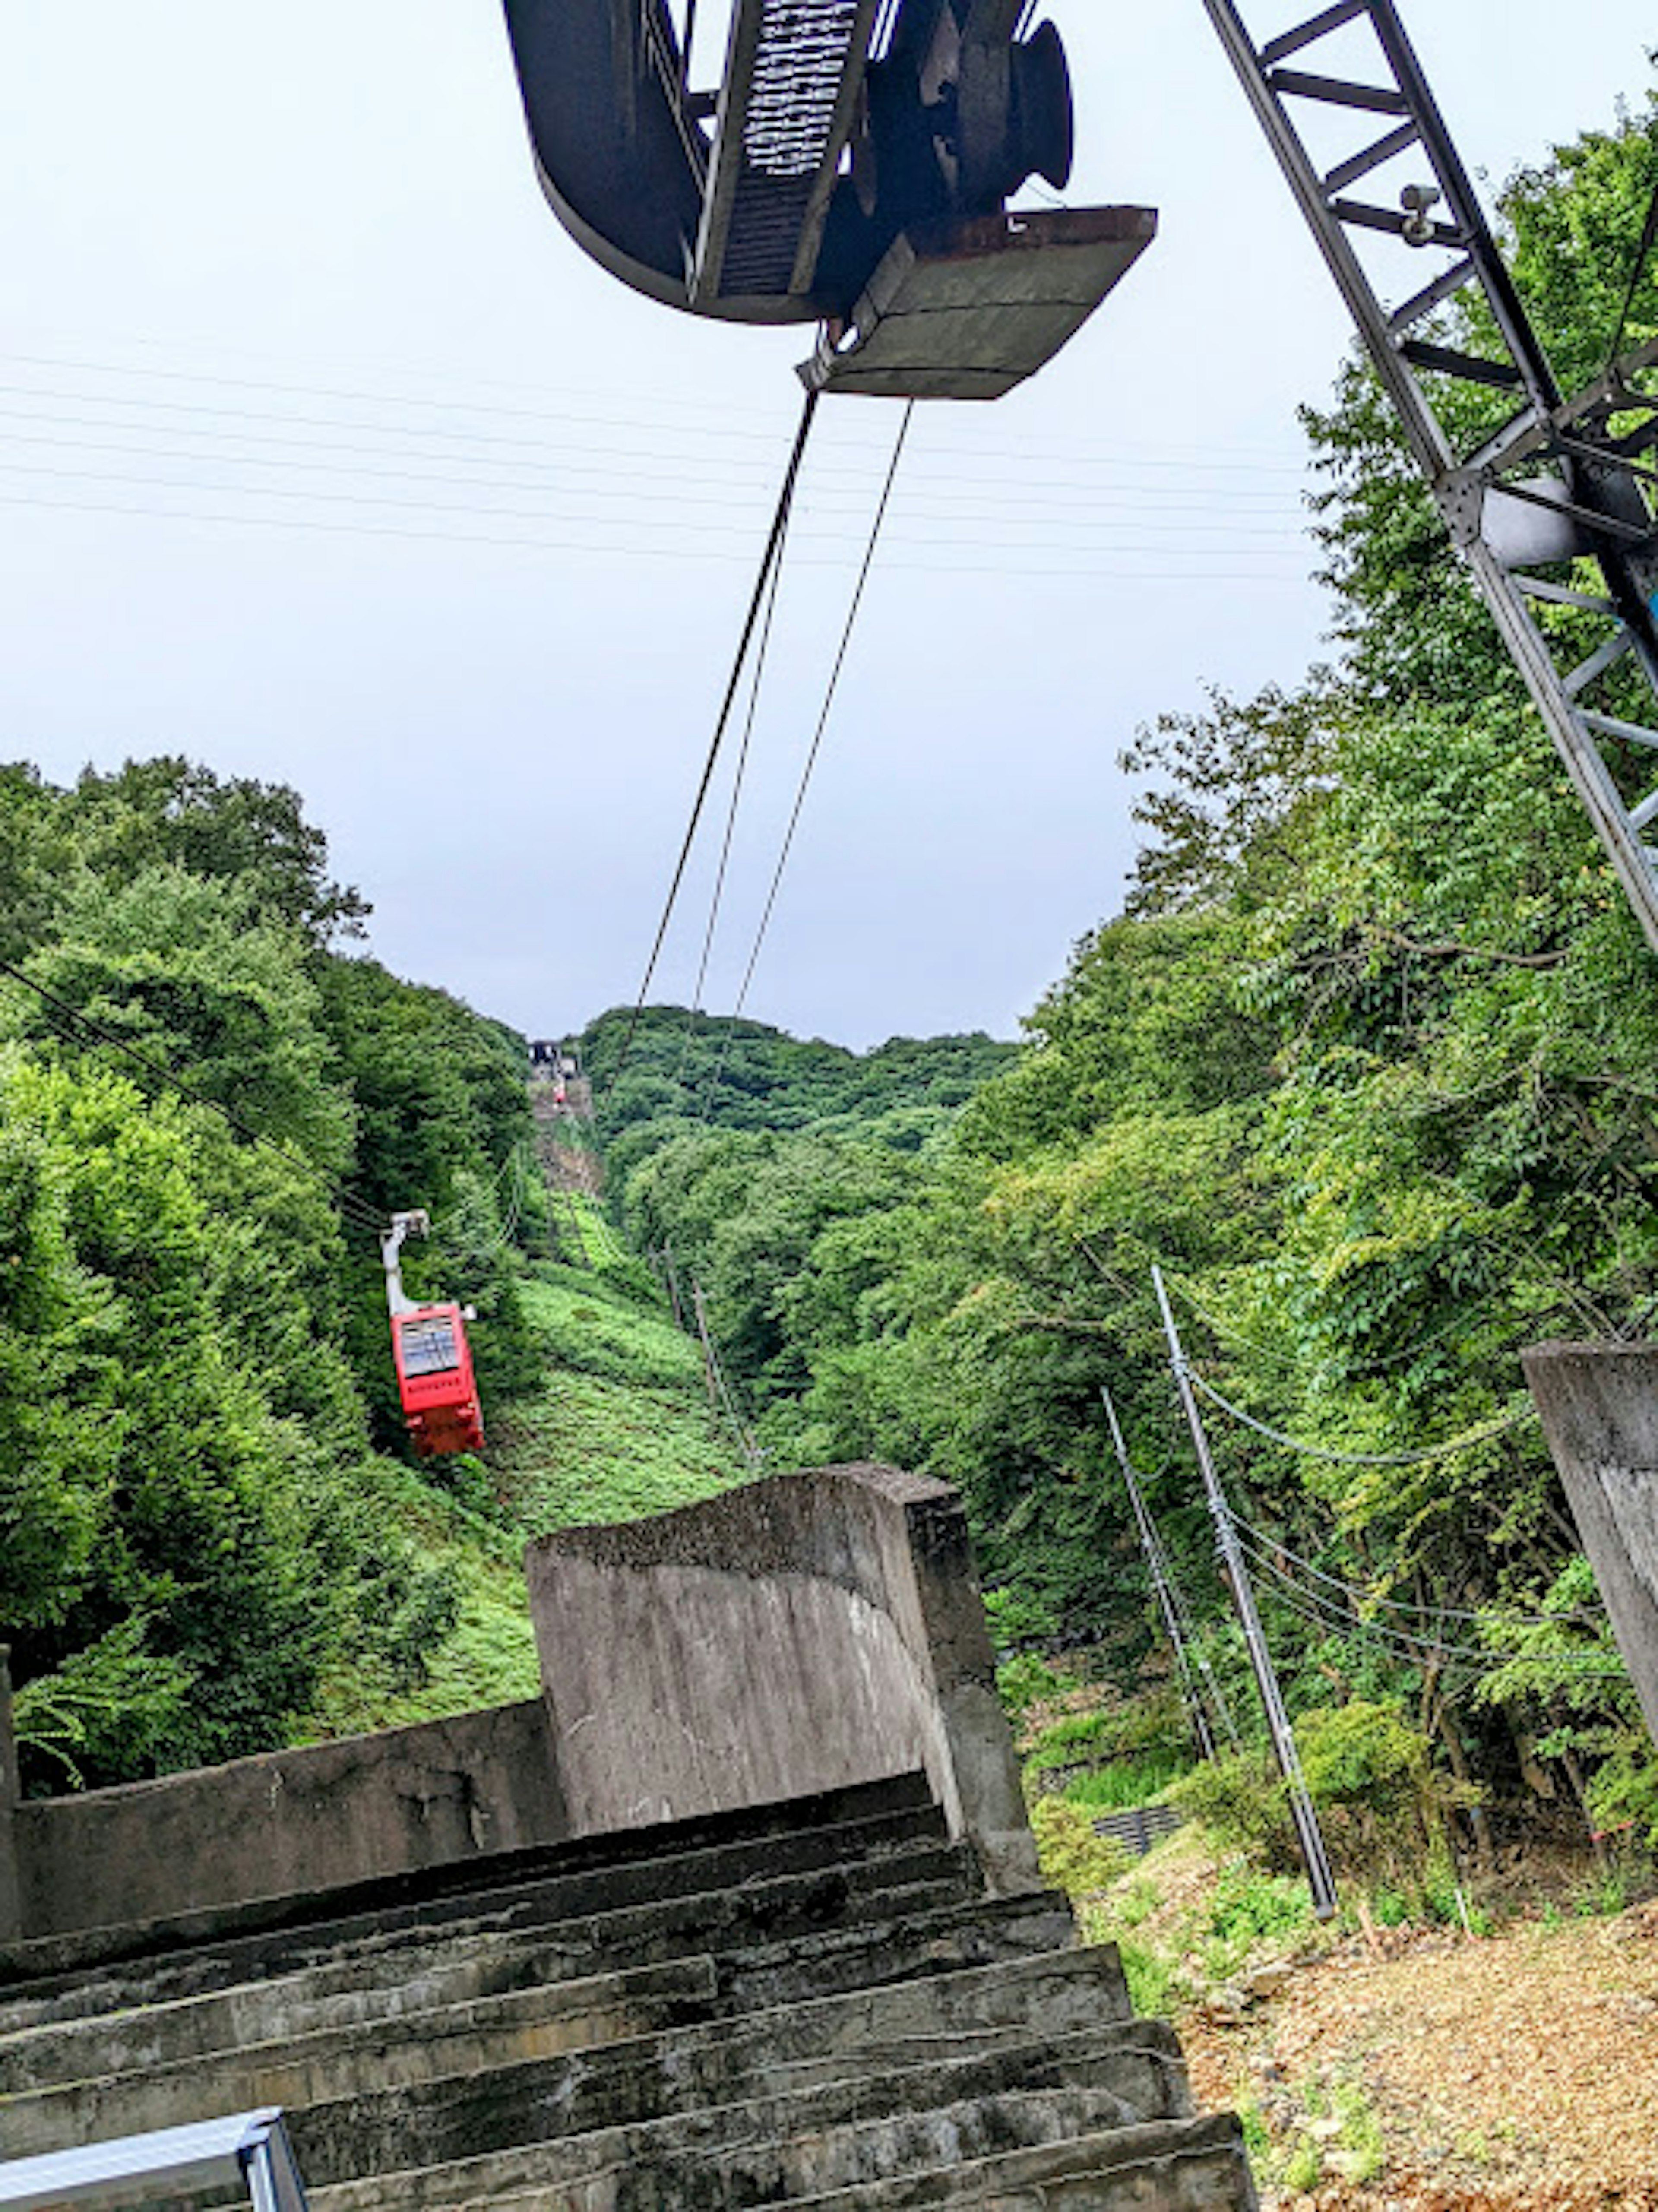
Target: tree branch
1454,951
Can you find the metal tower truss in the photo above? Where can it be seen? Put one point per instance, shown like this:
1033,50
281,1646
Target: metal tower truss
1555,510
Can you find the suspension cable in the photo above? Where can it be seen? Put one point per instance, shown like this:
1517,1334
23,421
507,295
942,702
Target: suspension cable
801,789
772,555
731,817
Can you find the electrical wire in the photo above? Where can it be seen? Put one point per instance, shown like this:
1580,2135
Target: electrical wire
772,556
1203,460
1228,1332
1357,1596
848,628
357,1209
1411,1646
335,457
1017,515
1445,1450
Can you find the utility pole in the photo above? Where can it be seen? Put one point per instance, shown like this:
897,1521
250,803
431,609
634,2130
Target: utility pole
1321,1878
1160,1584
670,1276
707,1348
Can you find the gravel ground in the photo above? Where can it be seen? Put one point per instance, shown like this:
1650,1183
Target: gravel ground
1517,2071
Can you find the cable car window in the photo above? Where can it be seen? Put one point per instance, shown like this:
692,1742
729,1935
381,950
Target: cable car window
428,1346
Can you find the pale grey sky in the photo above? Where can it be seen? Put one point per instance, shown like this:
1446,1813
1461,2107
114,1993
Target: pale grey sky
327,457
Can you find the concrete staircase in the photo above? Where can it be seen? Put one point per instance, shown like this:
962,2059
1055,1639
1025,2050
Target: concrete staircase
807,2004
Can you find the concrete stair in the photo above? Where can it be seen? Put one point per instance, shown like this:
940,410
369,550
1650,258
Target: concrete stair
807,2004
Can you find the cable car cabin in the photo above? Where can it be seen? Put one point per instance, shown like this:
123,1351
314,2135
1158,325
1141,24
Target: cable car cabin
435,1382
852,166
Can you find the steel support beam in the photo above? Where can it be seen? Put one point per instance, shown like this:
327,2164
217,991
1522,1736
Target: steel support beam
1591,475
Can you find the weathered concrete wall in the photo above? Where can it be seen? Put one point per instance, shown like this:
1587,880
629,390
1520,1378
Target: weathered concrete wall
796,1635
289,1822
1599,1407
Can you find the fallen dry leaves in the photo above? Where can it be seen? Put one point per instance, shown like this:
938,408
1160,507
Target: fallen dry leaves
1517,2072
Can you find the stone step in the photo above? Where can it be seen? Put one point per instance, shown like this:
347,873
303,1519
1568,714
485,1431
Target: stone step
644,2069
357,1957
100,2058
789,2141
798,1912
986,1932
1175,2166
528,1887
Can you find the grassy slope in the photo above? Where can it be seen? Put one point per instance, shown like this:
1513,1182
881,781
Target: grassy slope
620,1428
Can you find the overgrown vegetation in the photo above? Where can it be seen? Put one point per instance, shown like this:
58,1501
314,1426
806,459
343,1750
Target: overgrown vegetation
1366,1065
200,1534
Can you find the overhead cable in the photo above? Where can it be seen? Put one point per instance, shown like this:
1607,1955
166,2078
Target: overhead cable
1075,453
363,1214
1414,1645
340,456
1447,1449
1357,1596
772,555
731,819
1643,253
847,628
670,550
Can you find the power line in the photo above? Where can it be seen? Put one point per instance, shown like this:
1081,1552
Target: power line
1152,538
1643,253
357,1209
675,551
1229,1334
578,460
801,789
1202,458
1357,1596
772,554
1445,1450
1413,1645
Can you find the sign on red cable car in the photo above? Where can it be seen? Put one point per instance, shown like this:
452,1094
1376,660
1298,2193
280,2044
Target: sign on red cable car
432,1357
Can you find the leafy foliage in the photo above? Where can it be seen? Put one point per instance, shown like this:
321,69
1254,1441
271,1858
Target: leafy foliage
1365,1065
192,1330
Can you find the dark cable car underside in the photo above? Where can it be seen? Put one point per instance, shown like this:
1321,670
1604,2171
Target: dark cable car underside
852,168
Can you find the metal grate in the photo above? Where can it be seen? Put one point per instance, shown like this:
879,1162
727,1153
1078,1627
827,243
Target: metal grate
794,71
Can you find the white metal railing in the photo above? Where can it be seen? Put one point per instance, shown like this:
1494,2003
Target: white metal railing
246,2156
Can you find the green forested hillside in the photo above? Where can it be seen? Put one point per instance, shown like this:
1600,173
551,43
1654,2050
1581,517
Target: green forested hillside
199,1530
1367,1064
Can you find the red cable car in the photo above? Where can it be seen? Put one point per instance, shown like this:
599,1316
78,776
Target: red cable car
435,1382
433,1360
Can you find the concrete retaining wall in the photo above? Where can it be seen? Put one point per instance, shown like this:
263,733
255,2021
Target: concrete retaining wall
797,1635
286,1823
1599,1407
791,1636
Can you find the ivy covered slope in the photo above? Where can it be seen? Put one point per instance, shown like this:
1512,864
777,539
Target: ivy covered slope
1367,1063
203,1536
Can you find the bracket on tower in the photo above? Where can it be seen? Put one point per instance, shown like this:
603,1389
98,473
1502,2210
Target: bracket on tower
1564,486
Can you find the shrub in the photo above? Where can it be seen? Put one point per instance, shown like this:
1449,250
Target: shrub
1073,1858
